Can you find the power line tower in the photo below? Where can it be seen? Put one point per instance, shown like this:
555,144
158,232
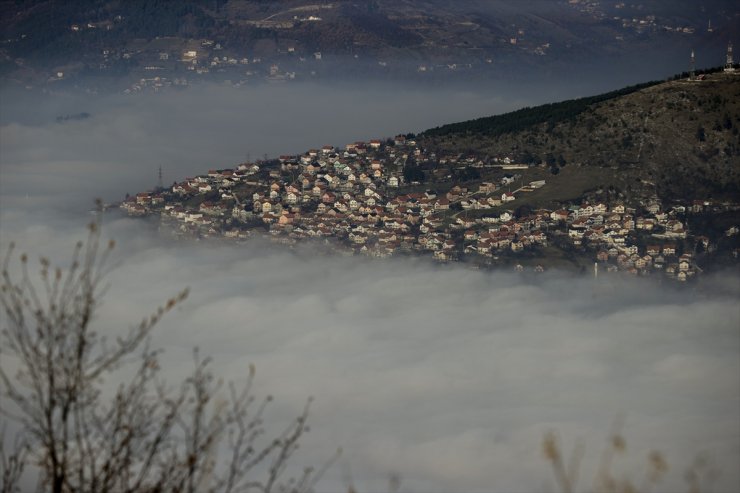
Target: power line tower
692,67
730,65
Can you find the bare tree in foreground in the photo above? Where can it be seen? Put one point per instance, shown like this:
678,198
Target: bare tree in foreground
145,436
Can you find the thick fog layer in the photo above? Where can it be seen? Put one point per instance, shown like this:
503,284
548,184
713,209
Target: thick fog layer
443,376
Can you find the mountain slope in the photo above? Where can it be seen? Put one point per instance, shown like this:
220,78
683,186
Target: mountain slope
682,136
421,39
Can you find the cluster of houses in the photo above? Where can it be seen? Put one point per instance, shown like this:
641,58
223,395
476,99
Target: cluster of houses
357,198
636,23
618,235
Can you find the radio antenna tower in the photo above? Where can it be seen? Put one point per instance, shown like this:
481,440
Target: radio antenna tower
692,67
160,185
730,65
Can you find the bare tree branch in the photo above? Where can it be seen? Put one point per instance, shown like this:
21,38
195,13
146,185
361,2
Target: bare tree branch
145,436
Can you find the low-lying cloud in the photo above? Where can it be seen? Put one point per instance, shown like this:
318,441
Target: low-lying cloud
445,376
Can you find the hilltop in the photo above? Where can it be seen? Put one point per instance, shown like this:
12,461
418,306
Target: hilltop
681,138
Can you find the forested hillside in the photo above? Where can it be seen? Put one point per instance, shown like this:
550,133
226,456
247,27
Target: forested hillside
682,137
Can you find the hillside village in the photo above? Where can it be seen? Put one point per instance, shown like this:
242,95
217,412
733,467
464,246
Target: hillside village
370,199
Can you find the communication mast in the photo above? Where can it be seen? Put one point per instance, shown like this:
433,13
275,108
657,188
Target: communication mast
730,65
160,185
692,67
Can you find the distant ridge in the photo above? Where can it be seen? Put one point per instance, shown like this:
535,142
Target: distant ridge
64,44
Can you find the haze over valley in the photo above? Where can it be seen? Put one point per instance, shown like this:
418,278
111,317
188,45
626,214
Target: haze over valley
431,376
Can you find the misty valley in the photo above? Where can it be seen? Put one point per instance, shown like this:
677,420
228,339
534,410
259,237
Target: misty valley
372,246
442,377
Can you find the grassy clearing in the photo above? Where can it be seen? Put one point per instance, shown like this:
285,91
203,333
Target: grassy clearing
568,185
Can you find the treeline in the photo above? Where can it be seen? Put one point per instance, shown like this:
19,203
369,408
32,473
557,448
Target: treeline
524,118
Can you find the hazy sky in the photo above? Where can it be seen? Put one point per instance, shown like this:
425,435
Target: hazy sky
446,376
